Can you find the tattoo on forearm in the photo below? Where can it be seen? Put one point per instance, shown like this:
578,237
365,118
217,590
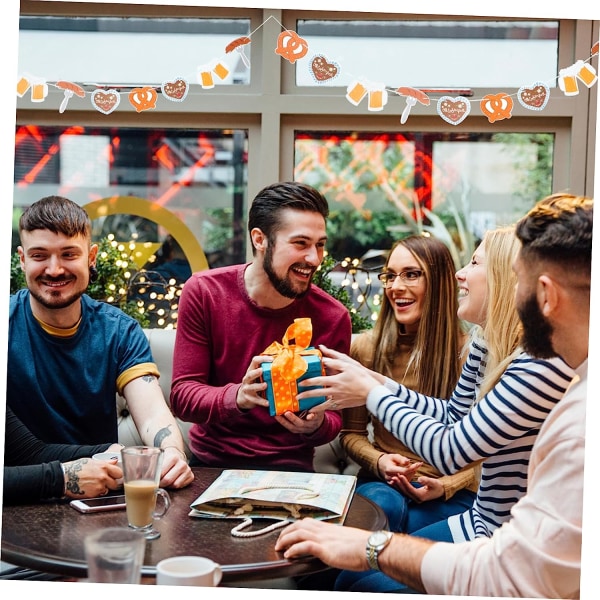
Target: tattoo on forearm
148,378
72,473
163,433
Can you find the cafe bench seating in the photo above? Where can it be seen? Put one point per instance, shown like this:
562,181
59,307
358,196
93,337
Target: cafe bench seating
329,458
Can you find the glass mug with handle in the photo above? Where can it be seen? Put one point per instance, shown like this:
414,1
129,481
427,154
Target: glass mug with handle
141,477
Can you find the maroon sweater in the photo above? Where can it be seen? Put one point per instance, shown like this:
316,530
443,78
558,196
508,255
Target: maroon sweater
219,330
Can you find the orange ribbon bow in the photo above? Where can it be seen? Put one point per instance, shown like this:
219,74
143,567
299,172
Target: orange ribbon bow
289,365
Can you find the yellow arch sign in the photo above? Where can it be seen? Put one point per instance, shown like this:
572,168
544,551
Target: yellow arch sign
131,205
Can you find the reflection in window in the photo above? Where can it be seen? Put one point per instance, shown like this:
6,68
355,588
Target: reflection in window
199,175
433,54
382,187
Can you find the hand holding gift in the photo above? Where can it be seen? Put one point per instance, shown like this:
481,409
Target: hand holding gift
294,360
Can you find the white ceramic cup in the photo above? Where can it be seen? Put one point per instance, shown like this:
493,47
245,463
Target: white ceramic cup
108,457
188,570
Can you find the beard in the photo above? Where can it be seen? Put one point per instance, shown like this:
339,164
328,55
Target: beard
283,285
537,330
55,300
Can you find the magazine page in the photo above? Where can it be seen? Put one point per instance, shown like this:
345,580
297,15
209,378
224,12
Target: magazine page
276,494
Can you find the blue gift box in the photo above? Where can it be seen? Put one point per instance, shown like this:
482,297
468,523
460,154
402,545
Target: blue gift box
315,369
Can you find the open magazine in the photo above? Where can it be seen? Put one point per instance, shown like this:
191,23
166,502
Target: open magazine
280,495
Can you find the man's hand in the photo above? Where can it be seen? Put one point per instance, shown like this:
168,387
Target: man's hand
307,425
251,392
176,472
88,478
338,547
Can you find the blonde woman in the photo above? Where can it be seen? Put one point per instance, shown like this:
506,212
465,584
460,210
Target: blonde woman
494,414
417,323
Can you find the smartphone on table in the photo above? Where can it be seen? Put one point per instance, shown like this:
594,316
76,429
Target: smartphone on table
100,504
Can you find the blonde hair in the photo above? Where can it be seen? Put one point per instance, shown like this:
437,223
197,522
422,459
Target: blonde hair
502,328
435,360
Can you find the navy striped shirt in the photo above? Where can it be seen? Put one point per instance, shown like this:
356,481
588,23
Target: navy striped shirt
500,429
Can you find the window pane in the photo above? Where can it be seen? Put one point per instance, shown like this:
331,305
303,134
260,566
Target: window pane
433,54
382,187
199,176
129,51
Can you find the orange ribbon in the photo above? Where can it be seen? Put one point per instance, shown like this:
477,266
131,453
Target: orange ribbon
288,364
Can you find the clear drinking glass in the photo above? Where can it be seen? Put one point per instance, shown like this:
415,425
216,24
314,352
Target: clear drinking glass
141,476
115,555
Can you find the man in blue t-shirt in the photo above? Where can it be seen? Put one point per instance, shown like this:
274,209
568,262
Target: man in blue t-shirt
68,355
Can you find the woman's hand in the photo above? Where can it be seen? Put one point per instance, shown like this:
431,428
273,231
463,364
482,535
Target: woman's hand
430,488
394,465
347,383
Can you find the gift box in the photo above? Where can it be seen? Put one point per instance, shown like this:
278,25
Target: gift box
294,360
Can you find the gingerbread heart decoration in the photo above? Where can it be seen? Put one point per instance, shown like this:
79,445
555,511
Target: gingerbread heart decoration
535,97
176,91
105,101
453,110
323,69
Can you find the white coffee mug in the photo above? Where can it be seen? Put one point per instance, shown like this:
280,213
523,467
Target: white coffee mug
188,570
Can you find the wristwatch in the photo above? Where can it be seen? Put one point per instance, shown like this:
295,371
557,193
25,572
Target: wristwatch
377,541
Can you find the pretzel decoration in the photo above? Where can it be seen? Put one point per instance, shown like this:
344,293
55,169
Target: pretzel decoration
497,107
143,98
291,46
105,101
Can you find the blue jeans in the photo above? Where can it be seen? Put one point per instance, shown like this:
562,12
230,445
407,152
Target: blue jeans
427,520
406,516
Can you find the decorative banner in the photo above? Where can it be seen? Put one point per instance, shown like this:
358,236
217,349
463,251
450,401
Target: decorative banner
105,101
70,89
497,107
535,97
22,86
143,98
39,91
205,78
238,45
378,97
567,78
221,71
412,96
453,110
176,90
38,88
355,92
322,69
291,46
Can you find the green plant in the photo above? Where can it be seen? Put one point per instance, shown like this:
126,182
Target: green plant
322,279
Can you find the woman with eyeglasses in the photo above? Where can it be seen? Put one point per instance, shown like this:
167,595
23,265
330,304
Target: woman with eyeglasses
493,415
417,320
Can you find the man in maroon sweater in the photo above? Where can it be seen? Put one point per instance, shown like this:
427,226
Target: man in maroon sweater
228,316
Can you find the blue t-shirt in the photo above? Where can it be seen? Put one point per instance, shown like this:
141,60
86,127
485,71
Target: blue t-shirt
63,389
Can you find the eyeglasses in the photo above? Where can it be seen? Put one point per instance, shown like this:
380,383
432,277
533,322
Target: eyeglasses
411,277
